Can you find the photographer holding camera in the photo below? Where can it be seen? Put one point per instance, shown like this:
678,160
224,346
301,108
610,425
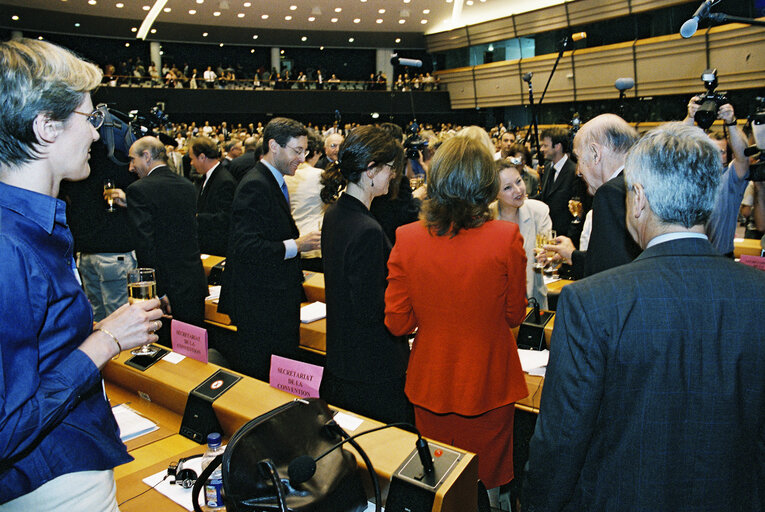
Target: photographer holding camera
721,227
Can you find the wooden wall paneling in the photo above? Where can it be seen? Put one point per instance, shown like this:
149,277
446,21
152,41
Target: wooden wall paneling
591,11
459,83
498,84
491,31
738,53
448,40
598,68
562,84
670,64
650,5
541,20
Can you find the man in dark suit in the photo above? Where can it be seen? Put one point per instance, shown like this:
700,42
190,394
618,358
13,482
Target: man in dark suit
654,395
331,149
241,164
601,146
216,193
560,182
262,283
161,208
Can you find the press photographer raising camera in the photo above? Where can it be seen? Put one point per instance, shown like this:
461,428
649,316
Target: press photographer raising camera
721,227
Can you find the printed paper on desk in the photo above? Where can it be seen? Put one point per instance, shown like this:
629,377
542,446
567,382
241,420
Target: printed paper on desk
189,340
300,379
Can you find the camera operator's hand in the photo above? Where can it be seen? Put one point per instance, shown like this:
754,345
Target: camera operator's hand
693,106
726,114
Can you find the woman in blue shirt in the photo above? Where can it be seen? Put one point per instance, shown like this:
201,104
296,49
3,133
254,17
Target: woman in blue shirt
58,438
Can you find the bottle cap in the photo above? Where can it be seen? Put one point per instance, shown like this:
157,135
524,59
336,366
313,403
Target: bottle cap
213,439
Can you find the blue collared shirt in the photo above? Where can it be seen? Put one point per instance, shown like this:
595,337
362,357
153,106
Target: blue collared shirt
721,226
54,417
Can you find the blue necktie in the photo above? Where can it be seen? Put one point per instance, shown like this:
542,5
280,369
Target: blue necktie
285,192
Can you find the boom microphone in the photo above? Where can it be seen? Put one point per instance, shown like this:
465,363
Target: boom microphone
624,84
689,27
400,61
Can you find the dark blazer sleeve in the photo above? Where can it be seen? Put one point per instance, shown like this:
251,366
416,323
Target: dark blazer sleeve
253,206
366,268
574,385
213,220
142,228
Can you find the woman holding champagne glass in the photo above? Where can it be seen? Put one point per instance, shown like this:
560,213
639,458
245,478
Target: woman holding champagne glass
58,438
531,216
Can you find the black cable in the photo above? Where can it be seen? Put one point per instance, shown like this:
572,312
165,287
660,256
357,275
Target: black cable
144,492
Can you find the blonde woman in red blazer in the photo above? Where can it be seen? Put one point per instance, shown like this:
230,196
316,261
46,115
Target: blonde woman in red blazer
459,278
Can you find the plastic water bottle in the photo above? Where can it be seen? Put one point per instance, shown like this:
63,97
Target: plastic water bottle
214,484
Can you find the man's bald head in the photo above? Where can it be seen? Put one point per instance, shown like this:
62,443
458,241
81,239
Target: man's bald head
332,145
601,146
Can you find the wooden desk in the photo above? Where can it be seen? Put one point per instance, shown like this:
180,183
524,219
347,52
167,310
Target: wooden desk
167,386
209,261
749,246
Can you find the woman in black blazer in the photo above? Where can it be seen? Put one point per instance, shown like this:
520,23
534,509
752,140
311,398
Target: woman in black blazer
366,364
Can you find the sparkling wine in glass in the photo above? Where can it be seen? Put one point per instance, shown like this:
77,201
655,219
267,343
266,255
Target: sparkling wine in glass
142,285
576,208
541,240
108,187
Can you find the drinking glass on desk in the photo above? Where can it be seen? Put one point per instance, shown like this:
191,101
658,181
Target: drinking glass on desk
108,187
142,285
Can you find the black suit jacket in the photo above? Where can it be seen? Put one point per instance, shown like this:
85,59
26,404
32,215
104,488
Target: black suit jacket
241,164
610,244
162,211
214,211
556,194
654,395
261,290
355,251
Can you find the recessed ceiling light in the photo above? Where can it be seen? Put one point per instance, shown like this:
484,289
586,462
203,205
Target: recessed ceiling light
311,18
41,38
264,16
240,15
401,22
252,50
423,21
204,34
255,36
248,4
154,31
426,11
161,52
333,20
192,12
134,29
221,45
321,47
350,39
364,1
469,2
281,52
216,13
338,9
304,38
407,1
200,1
146,7
381,11
16,18
92,2
357,20
379,20
127,45
398,40
167,9
293,7
288,18
119,5
76,24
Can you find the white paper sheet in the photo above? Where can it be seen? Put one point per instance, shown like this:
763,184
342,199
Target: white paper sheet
173,357
131,423
531,359
312,312
347,422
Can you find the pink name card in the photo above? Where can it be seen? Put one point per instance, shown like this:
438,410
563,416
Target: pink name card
189,340
300,379
753,261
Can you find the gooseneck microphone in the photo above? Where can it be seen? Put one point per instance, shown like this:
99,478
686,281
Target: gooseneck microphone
689,27
302,468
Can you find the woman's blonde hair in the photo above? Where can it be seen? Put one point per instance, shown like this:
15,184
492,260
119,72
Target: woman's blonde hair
461,184
37,77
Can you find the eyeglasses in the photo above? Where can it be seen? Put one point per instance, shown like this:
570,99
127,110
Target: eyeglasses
96,118
297,151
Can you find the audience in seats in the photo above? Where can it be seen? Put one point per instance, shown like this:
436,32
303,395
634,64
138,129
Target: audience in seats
366,365
458,278
654,397
59,441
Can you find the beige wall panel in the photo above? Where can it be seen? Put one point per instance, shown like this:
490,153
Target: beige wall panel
450,40
459,83
499,84
598,69
541,20
491,31
589,11
649,5
562,84
738,53
670,64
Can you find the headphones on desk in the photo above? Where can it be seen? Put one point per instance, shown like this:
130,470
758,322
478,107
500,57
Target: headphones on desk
185,477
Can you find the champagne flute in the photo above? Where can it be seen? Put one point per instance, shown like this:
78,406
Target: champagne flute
108,187
576,209
142,285
549,267
541,240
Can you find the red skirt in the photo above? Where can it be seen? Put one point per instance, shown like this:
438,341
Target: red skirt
490,435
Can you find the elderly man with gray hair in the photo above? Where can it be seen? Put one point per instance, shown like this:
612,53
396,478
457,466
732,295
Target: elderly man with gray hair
654,395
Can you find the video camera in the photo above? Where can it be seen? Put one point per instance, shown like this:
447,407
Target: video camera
414,144
710,101
121,130
757,119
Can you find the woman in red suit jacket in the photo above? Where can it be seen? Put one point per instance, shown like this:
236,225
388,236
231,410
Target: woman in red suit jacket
459,278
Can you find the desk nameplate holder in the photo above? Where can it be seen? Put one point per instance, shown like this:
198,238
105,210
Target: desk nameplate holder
411,490
199,418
